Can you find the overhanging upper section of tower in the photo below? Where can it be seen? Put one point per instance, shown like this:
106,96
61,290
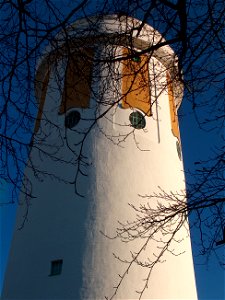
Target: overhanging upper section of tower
111,30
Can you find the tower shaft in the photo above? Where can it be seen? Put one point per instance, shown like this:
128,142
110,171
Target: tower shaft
113,117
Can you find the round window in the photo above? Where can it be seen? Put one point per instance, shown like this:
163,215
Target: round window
137,120
72,119
136,59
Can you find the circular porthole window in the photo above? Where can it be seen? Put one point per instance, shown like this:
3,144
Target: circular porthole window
72,119
137,120
136,59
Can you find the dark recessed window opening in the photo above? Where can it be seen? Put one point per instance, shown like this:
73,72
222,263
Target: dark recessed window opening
78,79
72,119
137,120
136,59
179,150
56,267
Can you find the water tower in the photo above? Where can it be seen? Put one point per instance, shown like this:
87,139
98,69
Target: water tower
106,135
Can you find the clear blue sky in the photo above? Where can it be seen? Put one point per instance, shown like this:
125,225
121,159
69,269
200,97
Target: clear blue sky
197,144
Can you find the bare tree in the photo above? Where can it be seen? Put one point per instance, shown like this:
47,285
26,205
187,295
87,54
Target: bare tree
195,31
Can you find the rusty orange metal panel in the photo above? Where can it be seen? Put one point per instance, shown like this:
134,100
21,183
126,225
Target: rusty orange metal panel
136,83
173,111
77,85
43,91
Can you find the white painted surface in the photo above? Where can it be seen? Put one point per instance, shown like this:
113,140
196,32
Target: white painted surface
62,225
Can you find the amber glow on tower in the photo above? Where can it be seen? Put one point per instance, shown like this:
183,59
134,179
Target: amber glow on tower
135,82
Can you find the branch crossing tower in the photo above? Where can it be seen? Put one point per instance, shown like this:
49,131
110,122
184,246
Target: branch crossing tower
105,168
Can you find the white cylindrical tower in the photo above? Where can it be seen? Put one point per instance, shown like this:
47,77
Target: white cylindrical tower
108,97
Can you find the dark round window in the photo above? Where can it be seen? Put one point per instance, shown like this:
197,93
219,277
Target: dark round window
137,120
136,59
72,119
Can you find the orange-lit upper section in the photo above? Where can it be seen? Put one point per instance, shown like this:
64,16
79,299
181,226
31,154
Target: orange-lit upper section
122,31
43,82
136,83
173,110
77,84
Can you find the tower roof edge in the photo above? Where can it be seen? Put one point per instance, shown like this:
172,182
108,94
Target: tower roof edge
120,30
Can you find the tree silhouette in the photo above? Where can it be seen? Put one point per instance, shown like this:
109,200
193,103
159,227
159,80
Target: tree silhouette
195,31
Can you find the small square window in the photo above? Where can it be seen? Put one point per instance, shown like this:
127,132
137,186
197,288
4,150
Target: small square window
56,267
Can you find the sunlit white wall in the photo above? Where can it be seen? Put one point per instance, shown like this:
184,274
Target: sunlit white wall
63,225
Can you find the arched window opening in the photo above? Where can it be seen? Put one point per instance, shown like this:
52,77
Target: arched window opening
173,111
135,82
41,91
77,84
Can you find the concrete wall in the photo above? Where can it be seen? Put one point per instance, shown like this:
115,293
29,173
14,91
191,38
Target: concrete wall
123,163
